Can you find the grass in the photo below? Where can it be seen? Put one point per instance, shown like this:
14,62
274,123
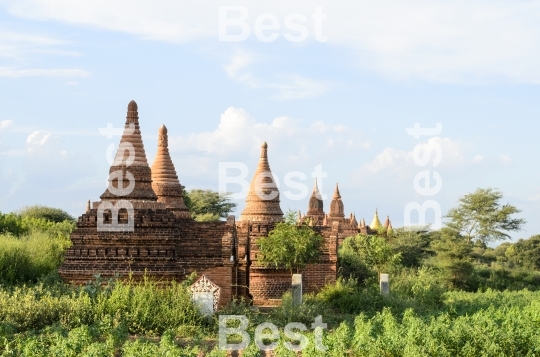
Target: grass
30,256
144,320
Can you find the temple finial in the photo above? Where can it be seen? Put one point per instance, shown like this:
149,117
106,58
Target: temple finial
132,106
336,192
162,130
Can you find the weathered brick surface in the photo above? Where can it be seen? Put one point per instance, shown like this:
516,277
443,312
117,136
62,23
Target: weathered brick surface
168,245
161,246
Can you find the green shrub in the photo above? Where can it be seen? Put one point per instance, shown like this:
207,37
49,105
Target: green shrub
145,307
56,215
423,285
346,296
29,257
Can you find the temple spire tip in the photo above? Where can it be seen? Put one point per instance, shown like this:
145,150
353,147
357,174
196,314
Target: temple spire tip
132,106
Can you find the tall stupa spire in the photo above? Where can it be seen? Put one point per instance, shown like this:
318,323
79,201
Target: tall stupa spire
336,206
262,202
130,165
315,206
165,182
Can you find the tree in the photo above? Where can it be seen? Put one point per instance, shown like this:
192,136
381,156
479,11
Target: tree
289,245
480,216
525,253
371,250
50,214
453,257
208,205
413,245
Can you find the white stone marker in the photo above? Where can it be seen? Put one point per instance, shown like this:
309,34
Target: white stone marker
384,284
297,289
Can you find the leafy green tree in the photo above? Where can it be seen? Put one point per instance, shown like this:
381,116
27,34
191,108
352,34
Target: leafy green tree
371,250
289,245
49,213
413,245
525,253
453,257
480,216
208,205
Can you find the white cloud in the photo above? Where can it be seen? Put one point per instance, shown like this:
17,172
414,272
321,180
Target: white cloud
47,162
460,41
505,159
288,86
402,162
239,61
15,44
38,138
17,73
534,198
478,158
238,136
4,124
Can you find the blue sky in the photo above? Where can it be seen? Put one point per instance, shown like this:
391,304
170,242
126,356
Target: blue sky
68,68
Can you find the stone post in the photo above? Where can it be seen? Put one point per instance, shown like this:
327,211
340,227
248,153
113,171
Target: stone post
384,284
297,289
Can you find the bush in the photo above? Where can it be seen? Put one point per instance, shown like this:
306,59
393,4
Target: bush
29,257
50,214
144,308
423,285
347,297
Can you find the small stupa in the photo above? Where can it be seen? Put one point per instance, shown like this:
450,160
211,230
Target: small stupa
165,182
376,223
315,205
336,205
262,202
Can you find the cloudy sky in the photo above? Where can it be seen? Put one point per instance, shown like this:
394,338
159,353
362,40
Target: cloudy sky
324,83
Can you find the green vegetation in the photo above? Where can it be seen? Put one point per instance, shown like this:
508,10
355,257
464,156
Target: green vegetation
480,217
451,295
32,243
208,205
290,246
372,251
29,257
48,213
124,319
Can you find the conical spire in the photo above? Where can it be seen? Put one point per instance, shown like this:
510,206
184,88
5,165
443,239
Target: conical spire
376,223
336,206
315,206
353,220
165,182
387,222
262,202
88,206
362,223
130,165
389,229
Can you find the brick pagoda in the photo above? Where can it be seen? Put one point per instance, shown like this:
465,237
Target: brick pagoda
142,226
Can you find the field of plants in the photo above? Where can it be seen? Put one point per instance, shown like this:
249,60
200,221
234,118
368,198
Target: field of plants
473,304
144,320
